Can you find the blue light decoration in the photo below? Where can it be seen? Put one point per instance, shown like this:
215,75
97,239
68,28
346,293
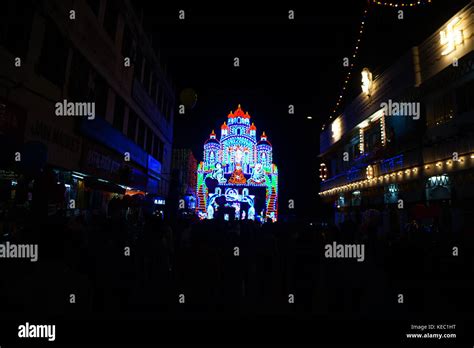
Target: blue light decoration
237,174
391,164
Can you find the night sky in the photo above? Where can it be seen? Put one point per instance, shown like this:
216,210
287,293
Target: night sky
282,62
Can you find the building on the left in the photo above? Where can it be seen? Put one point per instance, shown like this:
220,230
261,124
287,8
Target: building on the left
86,107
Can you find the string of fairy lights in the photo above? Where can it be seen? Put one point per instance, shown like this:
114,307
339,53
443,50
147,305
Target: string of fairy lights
359,36
400,4
428,169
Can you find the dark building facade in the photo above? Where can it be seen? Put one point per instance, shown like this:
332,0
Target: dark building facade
83,53
404,148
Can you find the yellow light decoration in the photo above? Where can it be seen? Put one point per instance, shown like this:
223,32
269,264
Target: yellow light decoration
403,4
336,129
369,172
357,46
354,56
359,184
382,130
366,81
451,37
323,171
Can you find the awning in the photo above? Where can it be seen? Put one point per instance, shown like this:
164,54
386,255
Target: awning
103,185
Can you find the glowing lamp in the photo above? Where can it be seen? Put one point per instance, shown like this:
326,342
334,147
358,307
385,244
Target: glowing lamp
451,37
336,129
366,82
369,172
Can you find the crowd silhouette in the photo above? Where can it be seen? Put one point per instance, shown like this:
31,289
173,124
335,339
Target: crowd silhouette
110,267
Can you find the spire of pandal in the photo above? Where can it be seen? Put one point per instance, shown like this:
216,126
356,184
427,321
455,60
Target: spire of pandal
239,112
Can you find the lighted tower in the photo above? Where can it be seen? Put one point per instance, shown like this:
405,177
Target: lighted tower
211,149
264,151
238,171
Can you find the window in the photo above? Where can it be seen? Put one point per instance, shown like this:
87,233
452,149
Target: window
159,102
355,150
157,94
132,125
78,89
94,6
137,7
372,137
163,108
141,133
155,146
138,65
146,77
15,26
119,112
110,18
441,110
159,146
149,140
153,86
54,53
127,42
464,97
148,26
168,112
99,94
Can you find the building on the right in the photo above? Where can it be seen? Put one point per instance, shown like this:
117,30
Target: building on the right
402,152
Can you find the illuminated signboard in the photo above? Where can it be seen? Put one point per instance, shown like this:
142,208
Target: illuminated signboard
336,129
451,37
366,81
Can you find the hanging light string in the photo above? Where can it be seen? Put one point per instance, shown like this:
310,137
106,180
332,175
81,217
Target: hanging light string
402,4
352,59
355,52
